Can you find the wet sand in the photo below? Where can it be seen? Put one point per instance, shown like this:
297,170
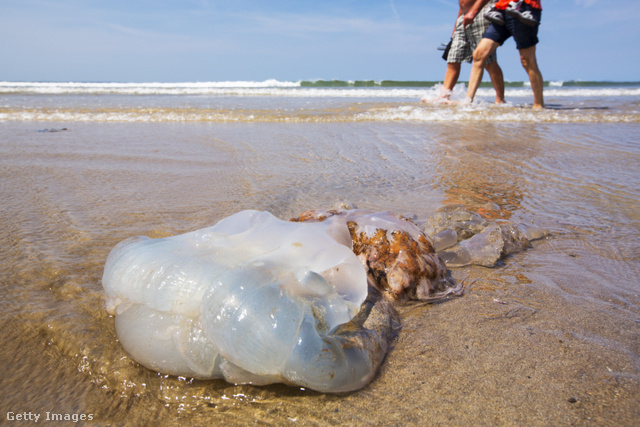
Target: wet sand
549,337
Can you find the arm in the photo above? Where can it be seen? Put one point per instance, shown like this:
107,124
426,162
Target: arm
473,12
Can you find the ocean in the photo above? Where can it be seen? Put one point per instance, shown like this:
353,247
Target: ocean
549,336
307,102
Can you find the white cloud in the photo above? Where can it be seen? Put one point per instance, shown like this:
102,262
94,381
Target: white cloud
393,8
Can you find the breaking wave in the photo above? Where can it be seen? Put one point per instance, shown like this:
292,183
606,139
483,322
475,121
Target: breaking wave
381,113
311,89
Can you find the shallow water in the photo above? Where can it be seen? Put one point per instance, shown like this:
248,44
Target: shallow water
551,336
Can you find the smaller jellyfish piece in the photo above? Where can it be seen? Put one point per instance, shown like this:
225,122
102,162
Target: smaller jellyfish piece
400,259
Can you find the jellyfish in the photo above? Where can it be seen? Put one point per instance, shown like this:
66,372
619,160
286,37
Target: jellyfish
258,300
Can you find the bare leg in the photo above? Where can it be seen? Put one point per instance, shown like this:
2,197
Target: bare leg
450,79
485,48
530,64
495,72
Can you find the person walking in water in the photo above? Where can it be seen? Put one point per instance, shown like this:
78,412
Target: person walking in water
463,42
519,19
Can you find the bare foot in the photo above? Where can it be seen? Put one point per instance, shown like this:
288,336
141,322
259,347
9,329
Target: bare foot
437,100
446,101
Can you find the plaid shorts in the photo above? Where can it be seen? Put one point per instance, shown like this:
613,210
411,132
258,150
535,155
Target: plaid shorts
465,40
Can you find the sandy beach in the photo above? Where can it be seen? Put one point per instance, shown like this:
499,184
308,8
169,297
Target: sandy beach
551,336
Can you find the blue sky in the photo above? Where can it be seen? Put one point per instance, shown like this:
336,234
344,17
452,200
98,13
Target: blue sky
291,40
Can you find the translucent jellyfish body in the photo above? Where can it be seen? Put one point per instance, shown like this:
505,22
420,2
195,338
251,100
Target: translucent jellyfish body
252,299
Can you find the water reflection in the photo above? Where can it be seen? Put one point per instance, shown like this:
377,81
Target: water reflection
482,167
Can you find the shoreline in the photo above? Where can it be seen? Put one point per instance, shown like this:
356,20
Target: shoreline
549,337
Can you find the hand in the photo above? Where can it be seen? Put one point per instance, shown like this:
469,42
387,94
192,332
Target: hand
468,19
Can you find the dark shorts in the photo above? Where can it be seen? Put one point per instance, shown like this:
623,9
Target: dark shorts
524,35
